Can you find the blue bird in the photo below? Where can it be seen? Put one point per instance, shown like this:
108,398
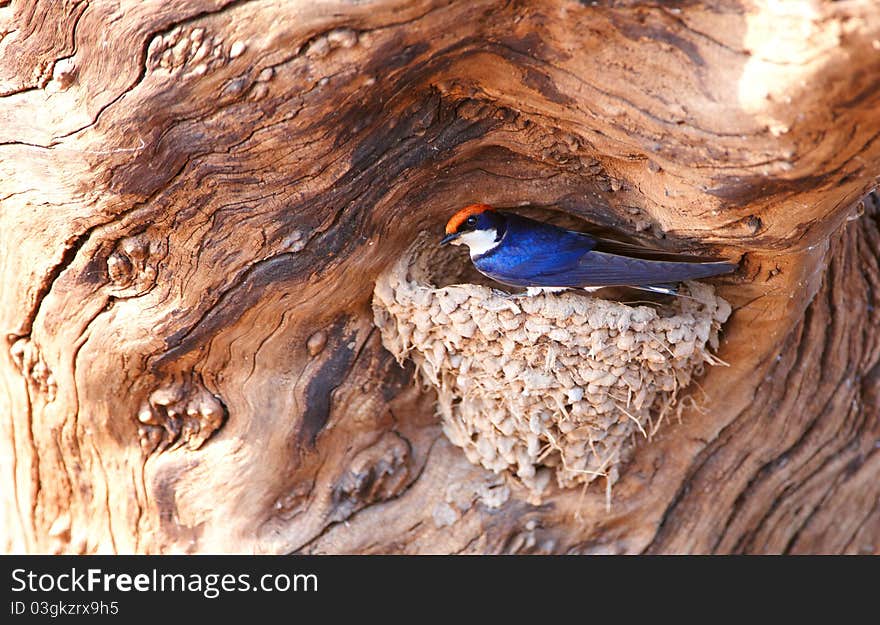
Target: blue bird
522,252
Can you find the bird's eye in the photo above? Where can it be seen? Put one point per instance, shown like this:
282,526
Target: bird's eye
471,221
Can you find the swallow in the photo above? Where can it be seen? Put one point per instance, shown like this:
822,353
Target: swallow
522,252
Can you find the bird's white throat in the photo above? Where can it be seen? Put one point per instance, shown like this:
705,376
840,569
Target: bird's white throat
479,241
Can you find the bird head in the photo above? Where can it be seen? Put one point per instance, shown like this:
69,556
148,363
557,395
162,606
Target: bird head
478,226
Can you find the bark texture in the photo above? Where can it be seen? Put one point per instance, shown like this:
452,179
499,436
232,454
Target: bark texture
196,198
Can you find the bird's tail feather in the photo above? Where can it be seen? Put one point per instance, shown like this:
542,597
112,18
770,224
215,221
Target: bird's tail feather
665,289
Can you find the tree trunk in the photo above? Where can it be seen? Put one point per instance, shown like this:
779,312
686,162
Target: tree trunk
197,198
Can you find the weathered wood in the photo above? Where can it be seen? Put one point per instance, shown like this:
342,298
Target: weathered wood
197,196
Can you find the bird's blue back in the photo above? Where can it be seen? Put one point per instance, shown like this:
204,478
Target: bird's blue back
533,248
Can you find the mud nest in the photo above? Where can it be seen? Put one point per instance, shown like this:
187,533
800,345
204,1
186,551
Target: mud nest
532,386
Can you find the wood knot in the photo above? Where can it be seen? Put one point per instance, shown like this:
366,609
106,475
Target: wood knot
316,343
237,49
755,224
376,474
129,268
64,74
323,44
179,413
29,361
191,51
342,38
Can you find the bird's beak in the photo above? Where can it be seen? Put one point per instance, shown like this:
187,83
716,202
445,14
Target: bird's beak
449,238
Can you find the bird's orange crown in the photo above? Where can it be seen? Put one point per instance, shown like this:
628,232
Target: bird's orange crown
459,217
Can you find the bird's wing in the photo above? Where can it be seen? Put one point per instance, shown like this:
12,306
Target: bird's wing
601,239
591,268
635,250
603,269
